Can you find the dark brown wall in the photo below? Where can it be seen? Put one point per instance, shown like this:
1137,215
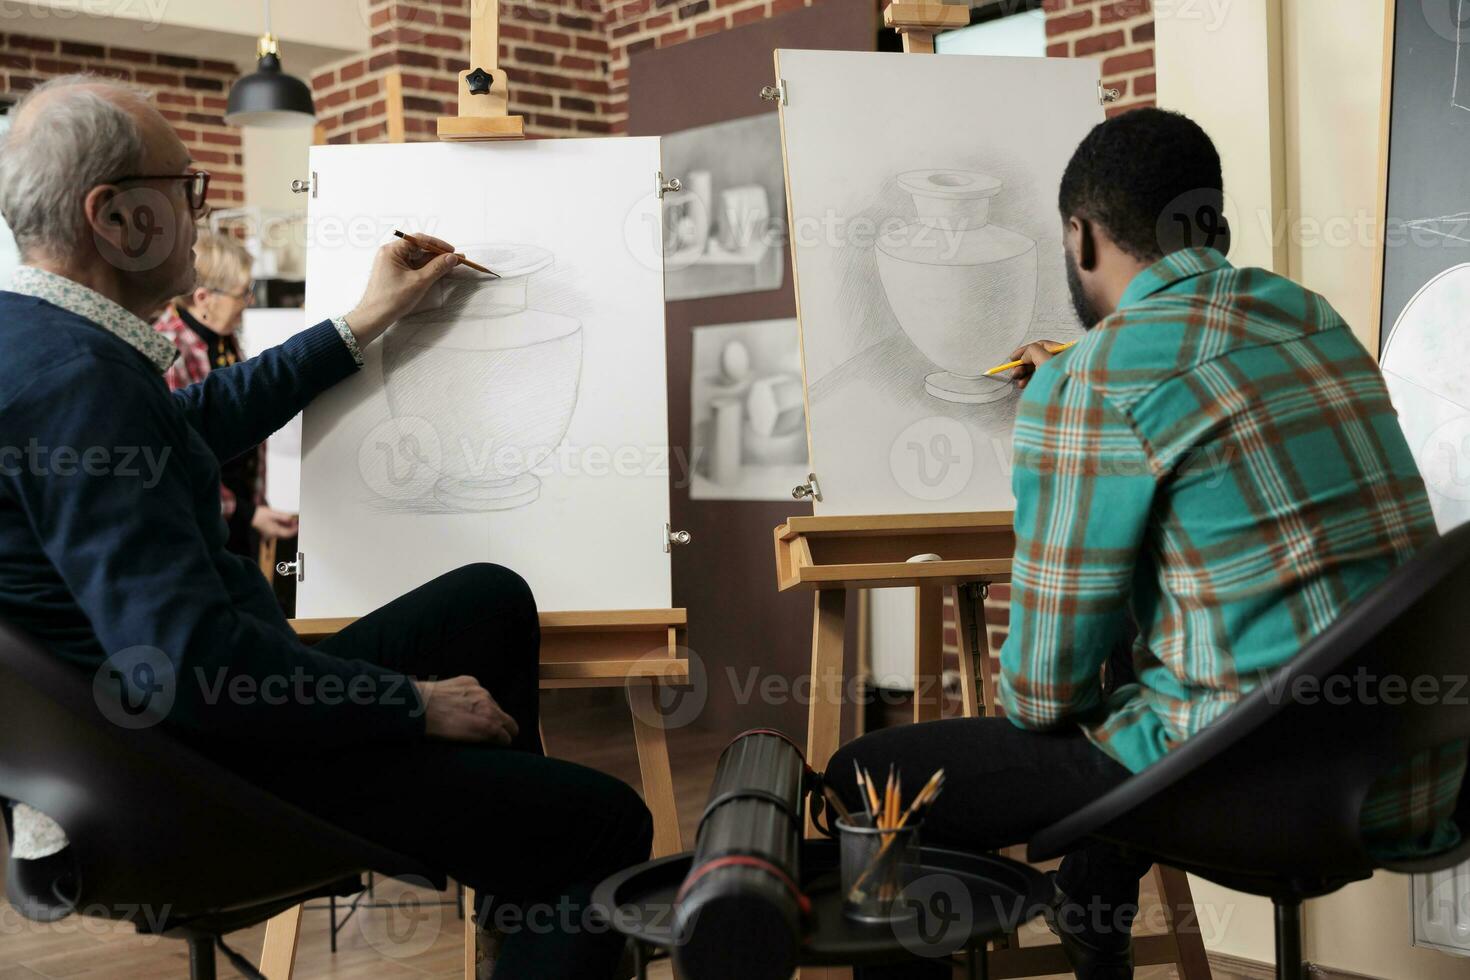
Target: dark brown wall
727,577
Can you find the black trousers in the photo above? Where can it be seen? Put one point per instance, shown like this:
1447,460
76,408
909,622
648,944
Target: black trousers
531,835
1002,785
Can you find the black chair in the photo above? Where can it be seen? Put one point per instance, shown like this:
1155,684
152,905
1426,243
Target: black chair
158,834
1266,799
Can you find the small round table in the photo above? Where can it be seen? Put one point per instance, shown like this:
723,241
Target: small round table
954,902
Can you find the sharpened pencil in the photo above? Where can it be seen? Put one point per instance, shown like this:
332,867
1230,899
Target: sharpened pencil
424,246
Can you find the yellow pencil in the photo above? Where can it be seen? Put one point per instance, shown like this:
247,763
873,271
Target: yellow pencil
1011,365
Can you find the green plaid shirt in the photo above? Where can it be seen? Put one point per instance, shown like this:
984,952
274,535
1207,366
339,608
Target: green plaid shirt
1219,459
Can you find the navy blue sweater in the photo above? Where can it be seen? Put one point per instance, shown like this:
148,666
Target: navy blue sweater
111,535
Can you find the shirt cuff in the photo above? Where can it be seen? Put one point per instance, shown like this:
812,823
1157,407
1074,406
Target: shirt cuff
345,332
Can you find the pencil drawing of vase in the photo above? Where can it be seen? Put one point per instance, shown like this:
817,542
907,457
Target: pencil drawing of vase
496,380
962,289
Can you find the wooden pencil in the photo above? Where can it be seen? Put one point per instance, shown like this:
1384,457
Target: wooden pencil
432,249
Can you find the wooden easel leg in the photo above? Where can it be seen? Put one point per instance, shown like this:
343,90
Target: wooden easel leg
1183,922
964,615
824,717
989,692
471,935
278,954
928,653
653,763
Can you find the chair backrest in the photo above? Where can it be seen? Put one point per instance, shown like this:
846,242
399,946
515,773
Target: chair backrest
1273,789
156,828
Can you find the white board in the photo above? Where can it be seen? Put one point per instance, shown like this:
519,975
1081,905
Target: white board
1426,365
521,421
262,330
926,247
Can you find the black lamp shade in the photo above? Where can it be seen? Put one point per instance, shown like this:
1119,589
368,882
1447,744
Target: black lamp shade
271,99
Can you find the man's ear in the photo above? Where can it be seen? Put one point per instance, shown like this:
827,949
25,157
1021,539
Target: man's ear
1086,238
104,215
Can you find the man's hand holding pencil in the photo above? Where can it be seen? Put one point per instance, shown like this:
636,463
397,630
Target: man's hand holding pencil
1027,358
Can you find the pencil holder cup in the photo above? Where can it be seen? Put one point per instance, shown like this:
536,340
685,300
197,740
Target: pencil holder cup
877,864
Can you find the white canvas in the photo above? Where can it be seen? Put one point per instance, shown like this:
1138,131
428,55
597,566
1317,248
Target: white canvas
521,421
927,246
262,330
748,420
1425,366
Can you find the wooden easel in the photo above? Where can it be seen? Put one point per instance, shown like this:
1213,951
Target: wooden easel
829,555
637,650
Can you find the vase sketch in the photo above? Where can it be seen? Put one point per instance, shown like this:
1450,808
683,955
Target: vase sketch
497,381
962,289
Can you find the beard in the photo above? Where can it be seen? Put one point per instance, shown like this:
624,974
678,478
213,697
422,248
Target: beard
1083,307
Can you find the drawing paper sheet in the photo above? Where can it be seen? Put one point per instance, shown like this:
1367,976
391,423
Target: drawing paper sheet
1424,366
262,330
926,246
521,421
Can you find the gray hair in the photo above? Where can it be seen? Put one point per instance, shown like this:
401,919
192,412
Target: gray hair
81,138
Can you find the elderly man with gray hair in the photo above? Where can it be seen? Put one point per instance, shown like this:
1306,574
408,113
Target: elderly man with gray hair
417,726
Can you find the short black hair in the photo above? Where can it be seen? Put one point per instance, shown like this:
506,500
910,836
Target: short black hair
1152,179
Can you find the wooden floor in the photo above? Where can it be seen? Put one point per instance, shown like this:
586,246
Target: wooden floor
580,726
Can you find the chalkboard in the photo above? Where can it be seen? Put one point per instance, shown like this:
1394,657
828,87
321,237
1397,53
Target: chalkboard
1427,230
1424,336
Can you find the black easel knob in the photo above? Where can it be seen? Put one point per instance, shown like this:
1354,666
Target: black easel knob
479,81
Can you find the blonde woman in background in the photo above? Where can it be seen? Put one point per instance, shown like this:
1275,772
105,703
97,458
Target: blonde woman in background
202,325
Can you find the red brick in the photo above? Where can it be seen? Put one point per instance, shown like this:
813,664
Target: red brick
445,42
187,99
1119,64
1146,85
674,37
355,70
779,7
323,80
711,26
1060,49
83,50
367,89
535,56
540,99
1123,10
210,102
1098,43
157,78
332,99
50,66
1144,33
28,43
206,84
369,133
223,139
209,156
15,61
128,54
1079,21
573,103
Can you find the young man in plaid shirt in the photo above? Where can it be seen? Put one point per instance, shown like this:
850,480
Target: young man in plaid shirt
1213,475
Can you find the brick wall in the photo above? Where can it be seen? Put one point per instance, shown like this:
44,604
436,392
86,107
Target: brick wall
190,93
554,50
1120,32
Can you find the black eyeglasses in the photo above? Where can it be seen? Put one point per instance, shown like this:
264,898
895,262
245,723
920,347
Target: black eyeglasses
197,185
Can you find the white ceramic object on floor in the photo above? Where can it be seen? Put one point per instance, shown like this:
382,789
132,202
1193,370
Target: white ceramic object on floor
497,381
962,289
